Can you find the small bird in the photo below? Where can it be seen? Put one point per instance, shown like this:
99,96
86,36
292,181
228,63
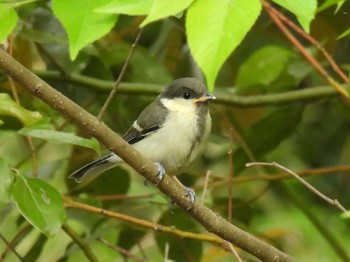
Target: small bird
171,131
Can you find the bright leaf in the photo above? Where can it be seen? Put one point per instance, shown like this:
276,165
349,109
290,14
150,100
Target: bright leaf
15,3
215,28
303,9
328,3
9,107
6,181
344,34
60,137
8,20
39,203
265,65
127,7
162,9
82,24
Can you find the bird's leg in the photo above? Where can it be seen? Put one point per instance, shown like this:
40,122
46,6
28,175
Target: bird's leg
189,191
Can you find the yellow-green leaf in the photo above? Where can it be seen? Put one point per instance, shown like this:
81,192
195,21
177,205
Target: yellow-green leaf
215,28
9,107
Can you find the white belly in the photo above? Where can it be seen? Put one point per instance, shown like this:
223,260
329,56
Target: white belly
175,146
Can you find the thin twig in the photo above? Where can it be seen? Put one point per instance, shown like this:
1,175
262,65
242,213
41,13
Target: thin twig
166,252
281,176
303,52
120,77
123,197
207,175
230,177
225,97
12,242
333,202
234,252
312,41
122,251
9,246
144,223
80,242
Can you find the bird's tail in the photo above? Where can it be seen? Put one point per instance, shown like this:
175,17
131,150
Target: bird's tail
92,170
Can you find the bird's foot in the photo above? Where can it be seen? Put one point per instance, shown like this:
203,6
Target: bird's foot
189,192
191,195
160,174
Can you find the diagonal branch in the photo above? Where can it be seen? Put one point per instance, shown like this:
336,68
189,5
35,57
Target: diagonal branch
211,221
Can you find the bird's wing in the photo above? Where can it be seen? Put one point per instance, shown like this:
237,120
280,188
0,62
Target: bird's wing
149,121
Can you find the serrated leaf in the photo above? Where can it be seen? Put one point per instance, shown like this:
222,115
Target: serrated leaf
161,9
9,107
8,21
39,203
60,137
82,24
265,65
127,7
304,10
6,181
215,28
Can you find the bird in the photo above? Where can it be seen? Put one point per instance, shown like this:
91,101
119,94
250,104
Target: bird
171,131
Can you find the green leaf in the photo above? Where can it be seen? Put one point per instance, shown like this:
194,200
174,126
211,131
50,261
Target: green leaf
265,65
60,137
9,107
15,3
329,3
39,203
6,181
161,9
303,9
8,21
344,34
82,23
127,7
215,28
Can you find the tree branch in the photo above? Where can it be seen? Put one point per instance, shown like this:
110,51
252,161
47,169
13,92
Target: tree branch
224,96
211,221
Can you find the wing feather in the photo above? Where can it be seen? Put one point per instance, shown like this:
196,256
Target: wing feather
149,121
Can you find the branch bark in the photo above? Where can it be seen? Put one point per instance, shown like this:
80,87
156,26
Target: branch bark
225,97
211,221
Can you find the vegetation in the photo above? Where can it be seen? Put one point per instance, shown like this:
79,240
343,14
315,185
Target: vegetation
280,72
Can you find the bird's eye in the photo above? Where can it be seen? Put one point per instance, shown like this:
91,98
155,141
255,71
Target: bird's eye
186,95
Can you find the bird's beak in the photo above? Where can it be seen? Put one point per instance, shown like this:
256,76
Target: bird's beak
204,98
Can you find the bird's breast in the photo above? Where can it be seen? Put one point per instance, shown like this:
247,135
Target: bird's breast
177,143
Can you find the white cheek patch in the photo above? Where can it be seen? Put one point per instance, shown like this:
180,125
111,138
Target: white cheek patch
179,105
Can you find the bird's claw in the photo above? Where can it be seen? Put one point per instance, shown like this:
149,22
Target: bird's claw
161,172
191,195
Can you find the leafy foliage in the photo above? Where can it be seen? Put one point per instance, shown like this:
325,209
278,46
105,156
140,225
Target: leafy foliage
39,203
244,56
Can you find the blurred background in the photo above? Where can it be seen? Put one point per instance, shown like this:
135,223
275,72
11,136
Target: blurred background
261,114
